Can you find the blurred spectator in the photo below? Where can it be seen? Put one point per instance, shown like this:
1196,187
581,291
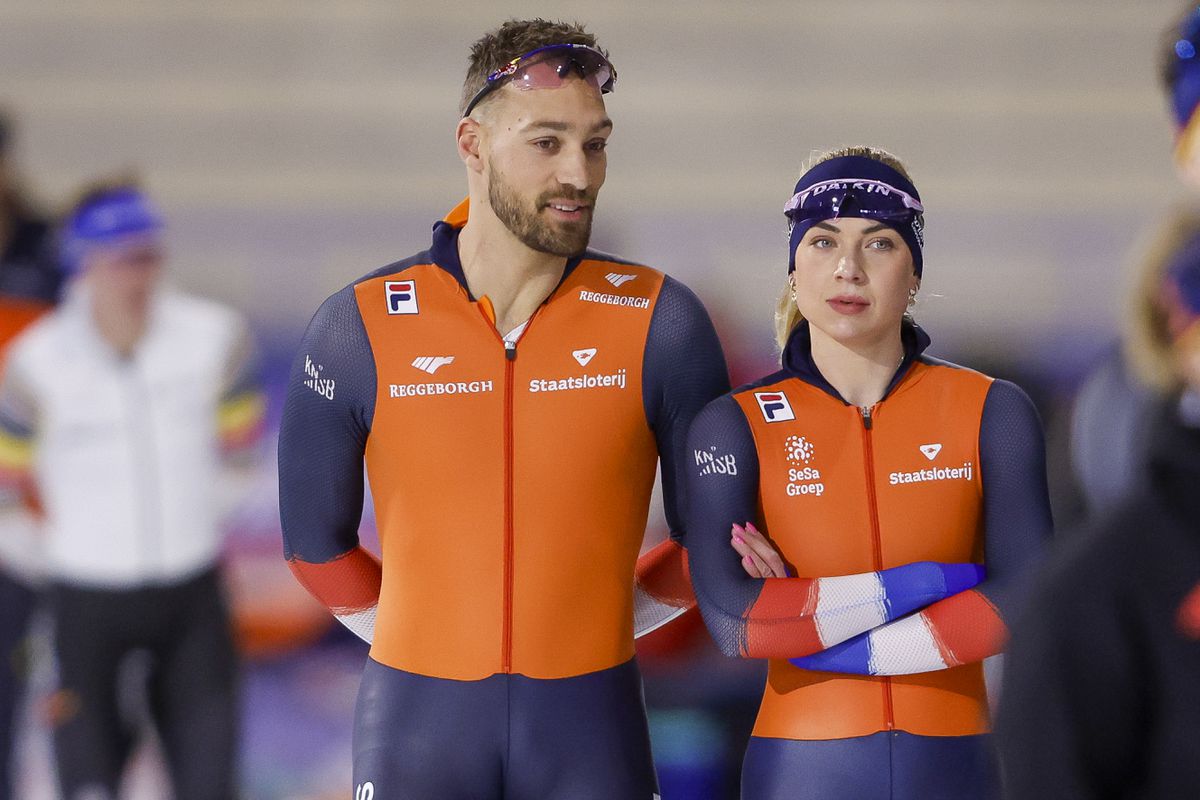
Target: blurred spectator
29,274
119,406
1101,697
29,282
1118,403
1129,388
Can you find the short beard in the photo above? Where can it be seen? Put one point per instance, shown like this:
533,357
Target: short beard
564,240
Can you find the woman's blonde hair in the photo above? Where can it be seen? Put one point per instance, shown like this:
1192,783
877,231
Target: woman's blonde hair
1146,338
787,314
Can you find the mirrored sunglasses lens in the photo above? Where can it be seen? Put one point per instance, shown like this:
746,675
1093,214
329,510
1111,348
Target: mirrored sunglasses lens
869,204
552,70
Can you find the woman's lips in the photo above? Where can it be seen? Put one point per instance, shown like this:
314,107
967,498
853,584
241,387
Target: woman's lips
848,304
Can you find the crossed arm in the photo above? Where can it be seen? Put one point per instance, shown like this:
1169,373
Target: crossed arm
866,624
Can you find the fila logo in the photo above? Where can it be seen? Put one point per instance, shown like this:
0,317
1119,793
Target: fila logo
774,406
617,279
432,364
401,297
364,791
930,451
584,356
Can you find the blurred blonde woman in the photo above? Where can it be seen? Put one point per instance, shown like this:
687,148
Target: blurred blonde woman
1140,380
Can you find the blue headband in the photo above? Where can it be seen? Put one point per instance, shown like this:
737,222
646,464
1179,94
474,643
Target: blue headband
106,220
856,186
1185,87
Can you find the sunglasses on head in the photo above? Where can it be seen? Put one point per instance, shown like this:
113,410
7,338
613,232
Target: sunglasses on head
850,197
548,68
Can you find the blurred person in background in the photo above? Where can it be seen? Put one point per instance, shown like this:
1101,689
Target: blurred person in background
884,478
29,284
1119,401
1102,683
120,406
511,393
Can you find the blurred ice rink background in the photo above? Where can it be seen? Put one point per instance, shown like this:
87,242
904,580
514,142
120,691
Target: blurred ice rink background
295,146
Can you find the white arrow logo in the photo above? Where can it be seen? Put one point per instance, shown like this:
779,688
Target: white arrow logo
432,364
931,450
584,356
616,278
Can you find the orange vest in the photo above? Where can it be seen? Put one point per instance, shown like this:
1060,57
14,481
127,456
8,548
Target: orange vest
844,493
511,493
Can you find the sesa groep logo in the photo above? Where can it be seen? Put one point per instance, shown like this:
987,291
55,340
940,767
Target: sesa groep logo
802,477
401,297
774,406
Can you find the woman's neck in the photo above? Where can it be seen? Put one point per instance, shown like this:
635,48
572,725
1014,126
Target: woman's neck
860,372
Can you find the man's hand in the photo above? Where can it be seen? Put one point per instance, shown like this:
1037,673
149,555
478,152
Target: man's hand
760,559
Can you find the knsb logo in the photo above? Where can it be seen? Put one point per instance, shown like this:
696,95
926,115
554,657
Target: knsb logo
364,791
401,297
710,462
617,279
314,381
930,451
774,406
432,364
584,356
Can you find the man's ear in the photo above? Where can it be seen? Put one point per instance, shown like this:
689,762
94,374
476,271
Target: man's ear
469,134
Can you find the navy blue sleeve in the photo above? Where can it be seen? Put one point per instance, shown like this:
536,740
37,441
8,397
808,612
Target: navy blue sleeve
722,489
323,435
1016,501
683,369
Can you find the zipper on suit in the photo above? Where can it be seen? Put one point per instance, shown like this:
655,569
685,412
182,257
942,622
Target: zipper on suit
865,413
510,359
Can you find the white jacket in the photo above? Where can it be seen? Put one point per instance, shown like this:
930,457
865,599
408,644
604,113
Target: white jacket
126,450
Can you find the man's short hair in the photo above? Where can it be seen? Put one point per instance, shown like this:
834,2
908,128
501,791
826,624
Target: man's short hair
515,37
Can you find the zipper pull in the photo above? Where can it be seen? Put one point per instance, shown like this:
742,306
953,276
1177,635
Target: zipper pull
866,416
510,350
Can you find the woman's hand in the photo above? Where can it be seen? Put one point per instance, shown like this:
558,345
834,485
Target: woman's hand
760,559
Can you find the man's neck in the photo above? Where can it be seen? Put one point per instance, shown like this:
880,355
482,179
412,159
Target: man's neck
515,278
860,372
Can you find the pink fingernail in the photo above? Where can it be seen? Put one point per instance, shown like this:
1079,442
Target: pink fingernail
739,540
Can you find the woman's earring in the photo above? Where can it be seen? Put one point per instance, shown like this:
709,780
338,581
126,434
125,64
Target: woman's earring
912,296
